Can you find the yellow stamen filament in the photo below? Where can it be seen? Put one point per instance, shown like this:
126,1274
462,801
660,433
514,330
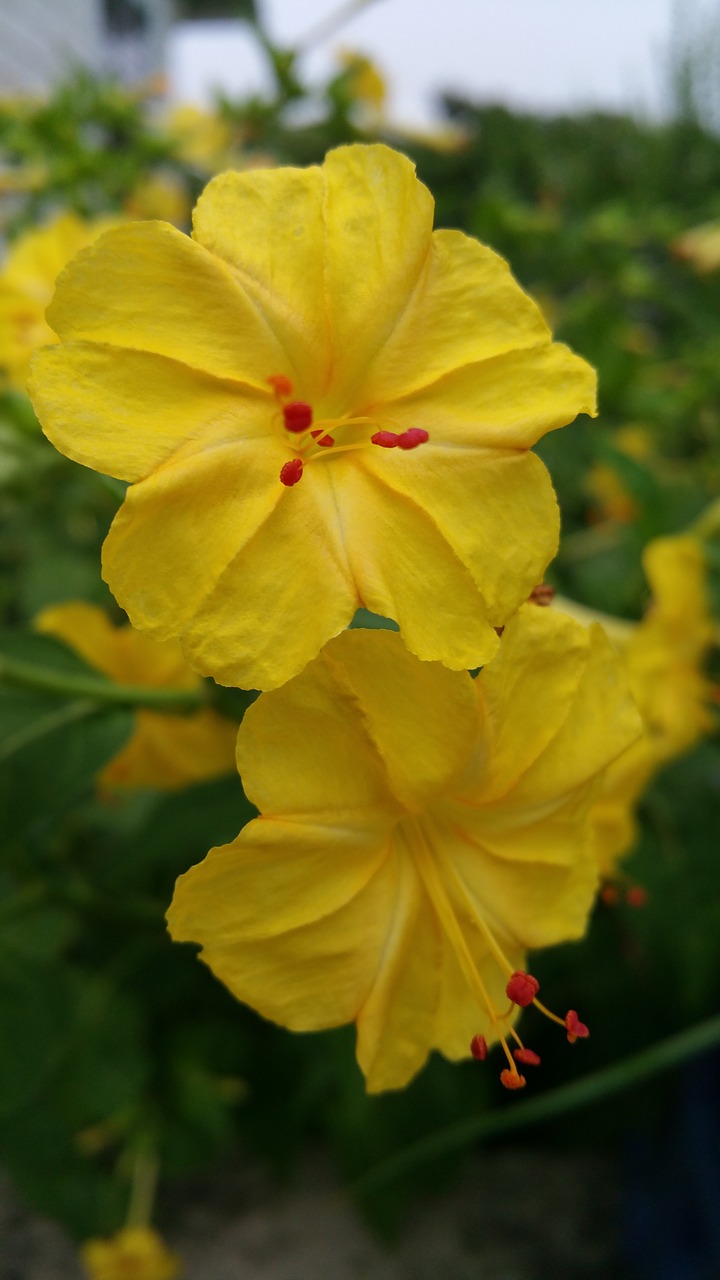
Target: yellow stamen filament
426,865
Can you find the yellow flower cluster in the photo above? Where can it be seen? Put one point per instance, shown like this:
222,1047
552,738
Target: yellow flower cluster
320,403
135,1253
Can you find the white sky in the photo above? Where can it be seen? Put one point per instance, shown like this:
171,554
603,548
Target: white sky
543,54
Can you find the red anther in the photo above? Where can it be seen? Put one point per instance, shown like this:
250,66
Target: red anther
386,439
281,385
298,415
636,896
522,988
542,594
326,441
609,895
576,1030
412,438
478,1048
512,1079
291,471
527,1056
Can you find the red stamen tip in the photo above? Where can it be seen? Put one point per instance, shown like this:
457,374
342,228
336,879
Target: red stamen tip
528,1057
478,1048
522,988
576,1030
386,439
281,385
512,1079
542,594
412,438
291,471
636,896
609,895
326,441
298,415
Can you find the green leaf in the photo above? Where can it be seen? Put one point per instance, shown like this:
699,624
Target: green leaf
51,752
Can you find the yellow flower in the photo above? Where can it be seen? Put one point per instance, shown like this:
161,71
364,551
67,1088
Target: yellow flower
27,281
663,657
700,247
419,832
160,195
365,82
203,138
135,1253
314,312
164,750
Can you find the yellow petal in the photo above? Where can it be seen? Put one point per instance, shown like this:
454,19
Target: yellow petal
125,412
267,224
149,287
279,875
379,228
465,307
173,751
396,1021
406,570
359,230
493,512
559,707
168,545
507,402
311,976
376,726
287,590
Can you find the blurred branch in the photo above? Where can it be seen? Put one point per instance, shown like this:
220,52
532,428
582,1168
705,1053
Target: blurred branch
332,23
96,690
558,1102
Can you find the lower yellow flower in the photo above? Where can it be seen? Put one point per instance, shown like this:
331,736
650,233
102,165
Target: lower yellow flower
135,1253
419,832
164,750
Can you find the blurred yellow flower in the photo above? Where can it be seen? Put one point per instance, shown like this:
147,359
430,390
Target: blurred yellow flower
135,1253
27,281
419,832
203,139
160,195
700,247
663,657
321,404
364,81
164,750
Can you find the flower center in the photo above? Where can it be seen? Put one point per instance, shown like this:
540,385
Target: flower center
316,438
521,988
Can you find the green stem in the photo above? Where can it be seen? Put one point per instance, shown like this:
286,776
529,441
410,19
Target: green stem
329,25
97,689
66,713
593,1088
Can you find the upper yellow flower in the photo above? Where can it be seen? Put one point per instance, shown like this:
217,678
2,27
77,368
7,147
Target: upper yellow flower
419,831
314,311
27,281
164,750
700,246
135,1253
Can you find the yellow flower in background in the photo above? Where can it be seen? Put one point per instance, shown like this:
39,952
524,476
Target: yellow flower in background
419,832
135,1253
320,404
160,195
164,750
700,247
27,281
364,81
203,139
663,657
